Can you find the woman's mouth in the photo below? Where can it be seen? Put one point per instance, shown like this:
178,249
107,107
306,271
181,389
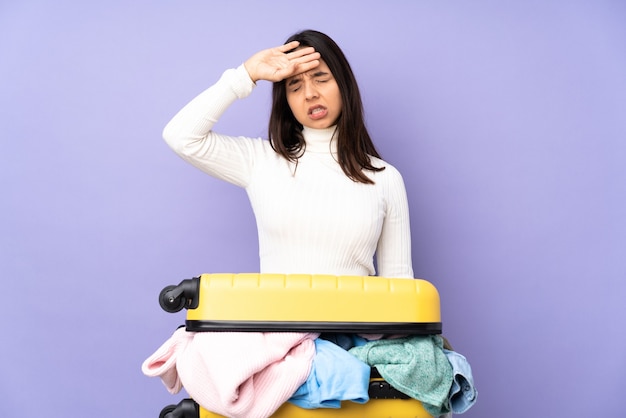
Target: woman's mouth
317,112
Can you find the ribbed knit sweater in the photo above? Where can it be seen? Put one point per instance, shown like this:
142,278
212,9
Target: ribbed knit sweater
311,218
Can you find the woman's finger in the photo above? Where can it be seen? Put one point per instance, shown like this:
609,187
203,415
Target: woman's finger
312,59
301,52
288,47
305,66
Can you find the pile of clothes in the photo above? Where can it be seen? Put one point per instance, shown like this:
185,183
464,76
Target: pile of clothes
251,374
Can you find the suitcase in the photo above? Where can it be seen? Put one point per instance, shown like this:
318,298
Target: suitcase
257,302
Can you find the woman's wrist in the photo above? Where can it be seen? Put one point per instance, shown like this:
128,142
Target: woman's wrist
247,66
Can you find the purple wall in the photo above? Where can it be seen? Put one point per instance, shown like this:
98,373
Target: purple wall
507,121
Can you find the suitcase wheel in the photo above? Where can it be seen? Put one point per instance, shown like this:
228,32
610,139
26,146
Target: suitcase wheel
184,295
186,408
169,302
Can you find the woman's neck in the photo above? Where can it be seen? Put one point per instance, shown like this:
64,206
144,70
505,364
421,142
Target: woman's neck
320,140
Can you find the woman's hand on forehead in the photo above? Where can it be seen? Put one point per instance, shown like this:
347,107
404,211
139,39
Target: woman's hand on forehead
281,62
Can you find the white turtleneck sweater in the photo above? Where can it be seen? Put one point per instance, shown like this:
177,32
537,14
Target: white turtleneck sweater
311,219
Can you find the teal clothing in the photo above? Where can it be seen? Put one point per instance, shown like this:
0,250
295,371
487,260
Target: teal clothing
415,365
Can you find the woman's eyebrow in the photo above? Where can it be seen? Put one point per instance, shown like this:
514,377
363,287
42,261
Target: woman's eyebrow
319,74
293,81
297,79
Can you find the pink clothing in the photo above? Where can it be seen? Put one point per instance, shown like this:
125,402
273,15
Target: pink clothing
235,374
163,362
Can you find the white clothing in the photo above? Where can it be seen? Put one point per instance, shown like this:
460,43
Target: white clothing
311,218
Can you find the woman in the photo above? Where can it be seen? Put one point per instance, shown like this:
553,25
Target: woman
324,201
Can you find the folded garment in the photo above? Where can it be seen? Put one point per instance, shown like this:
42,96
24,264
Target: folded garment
163,362
336,376
463,393
236,374
416,366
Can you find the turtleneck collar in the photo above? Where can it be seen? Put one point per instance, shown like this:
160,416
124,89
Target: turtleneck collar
320,140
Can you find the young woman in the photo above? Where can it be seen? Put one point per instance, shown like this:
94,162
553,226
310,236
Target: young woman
324,201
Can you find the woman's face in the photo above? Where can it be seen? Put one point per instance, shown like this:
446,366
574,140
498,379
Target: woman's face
314,97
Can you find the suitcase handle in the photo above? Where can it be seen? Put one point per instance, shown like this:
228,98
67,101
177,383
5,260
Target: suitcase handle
174,298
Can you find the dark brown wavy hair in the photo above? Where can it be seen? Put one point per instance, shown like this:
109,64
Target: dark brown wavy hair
354,145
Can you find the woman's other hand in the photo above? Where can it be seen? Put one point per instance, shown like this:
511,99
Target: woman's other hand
276,64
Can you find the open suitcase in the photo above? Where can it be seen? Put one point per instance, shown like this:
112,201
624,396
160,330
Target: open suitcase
309,303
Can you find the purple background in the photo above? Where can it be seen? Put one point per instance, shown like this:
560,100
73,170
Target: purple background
508,122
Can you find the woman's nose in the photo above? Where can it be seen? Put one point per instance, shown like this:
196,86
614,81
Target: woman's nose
310,91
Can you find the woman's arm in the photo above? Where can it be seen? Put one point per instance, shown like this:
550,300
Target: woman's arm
191,136
228,158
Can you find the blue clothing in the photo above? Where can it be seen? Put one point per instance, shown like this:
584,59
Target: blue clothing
345,341
462,393
336,376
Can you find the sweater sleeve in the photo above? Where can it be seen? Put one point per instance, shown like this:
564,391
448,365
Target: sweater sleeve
190,133
393,254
